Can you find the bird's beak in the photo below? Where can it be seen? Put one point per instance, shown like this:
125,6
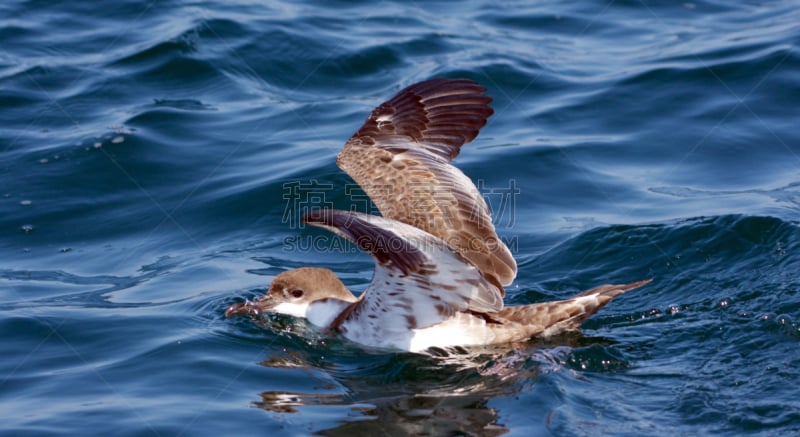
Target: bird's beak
253,308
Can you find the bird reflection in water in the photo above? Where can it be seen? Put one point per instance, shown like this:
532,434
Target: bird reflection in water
445,393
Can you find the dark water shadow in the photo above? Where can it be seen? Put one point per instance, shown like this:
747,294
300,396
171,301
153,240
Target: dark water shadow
443,392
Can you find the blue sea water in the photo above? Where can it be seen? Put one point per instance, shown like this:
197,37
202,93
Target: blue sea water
155,157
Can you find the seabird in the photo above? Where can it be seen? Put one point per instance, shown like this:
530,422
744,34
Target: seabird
440,267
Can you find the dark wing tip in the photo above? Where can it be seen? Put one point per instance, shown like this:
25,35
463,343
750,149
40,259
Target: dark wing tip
387,247
610,291
442,113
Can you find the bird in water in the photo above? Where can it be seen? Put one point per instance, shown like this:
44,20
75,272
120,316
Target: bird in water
440,267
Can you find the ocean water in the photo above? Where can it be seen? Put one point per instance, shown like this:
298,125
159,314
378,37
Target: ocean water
155,157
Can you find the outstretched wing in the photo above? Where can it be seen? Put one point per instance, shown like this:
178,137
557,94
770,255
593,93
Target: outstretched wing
419,279
401,158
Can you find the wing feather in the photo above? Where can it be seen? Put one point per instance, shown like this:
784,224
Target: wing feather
419,279
401,158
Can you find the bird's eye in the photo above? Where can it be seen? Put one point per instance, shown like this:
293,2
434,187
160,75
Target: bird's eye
296,293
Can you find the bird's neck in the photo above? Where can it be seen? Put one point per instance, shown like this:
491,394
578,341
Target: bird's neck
323,312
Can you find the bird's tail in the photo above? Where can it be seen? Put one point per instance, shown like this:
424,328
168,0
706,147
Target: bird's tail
551,318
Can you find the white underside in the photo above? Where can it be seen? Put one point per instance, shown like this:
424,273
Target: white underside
457,331
460,330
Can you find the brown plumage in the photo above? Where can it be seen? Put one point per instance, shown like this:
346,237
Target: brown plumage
551,318
440,267
401,158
